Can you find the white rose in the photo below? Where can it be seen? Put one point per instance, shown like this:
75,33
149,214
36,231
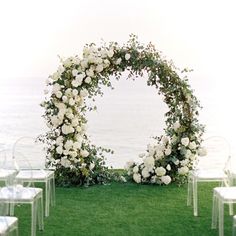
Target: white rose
168,151
59,140
184,162
159,154
59,150
84,93
66,129
75,92
145,172
84,63
185,141
65,162
68,145
73,154
77,145
149,161
127,56
71,102
88,80
160,171
176,125
118,61
135,169
202,151
164,140
90,73
106,62
64,98
168,167
74,72
183,170
56,87
188,154
137,177
58,94
76,83
84,153
192,145
99,68
75,122
91,166
166,179
110,53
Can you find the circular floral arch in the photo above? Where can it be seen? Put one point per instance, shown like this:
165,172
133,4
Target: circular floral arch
77,162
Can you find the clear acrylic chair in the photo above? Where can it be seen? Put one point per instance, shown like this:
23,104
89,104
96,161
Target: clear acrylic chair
12,195
234,225
7,172
8,226
209,168
34,153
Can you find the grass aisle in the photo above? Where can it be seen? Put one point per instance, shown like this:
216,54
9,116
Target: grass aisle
126,209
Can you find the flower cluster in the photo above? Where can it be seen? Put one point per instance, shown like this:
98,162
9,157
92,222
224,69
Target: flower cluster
75,159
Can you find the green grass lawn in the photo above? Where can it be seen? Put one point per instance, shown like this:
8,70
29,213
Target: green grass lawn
126,209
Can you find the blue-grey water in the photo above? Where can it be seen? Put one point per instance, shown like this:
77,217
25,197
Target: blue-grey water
125,120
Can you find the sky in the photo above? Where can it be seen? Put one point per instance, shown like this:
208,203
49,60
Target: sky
196,34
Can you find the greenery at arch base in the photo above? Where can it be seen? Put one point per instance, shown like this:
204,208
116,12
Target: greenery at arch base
167,159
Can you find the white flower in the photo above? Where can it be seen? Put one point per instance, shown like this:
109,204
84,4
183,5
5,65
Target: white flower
176,125
168,167
73,154
141,155
184,162
65,162
56,87
118,61
99,68
67,62
176,162
91,166
46,91
183,170
135,169
202,151
90,73
74,72
84,93
71,102
185,141
192,145
88,80
149,161
64,98
154,179
75,122
159,154
145,172
106,62
188,154
59,140
166,179
168,151
69,144
58,94
137,177
75,83
77,145
174,139
164,140
84,153
75,92
127,56
110,53
78,129
55,121
123,179
160,171
59,150
84,63
67,129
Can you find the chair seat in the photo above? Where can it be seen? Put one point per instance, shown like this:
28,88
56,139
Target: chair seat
214,175
226,193
19,193
6,173
34,174
6,222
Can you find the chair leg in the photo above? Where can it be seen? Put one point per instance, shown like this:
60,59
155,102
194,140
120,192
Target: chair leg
214,211
195,198
221,218
231,209
190,191
53,194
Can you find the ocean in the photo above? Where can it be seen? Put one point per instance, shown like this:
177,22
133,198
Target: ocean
126,119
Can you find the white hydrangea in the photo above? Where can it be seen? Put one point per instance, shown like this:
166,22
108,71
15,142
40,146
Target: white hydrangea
160,171
183,170
67,129
137,177
166,179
